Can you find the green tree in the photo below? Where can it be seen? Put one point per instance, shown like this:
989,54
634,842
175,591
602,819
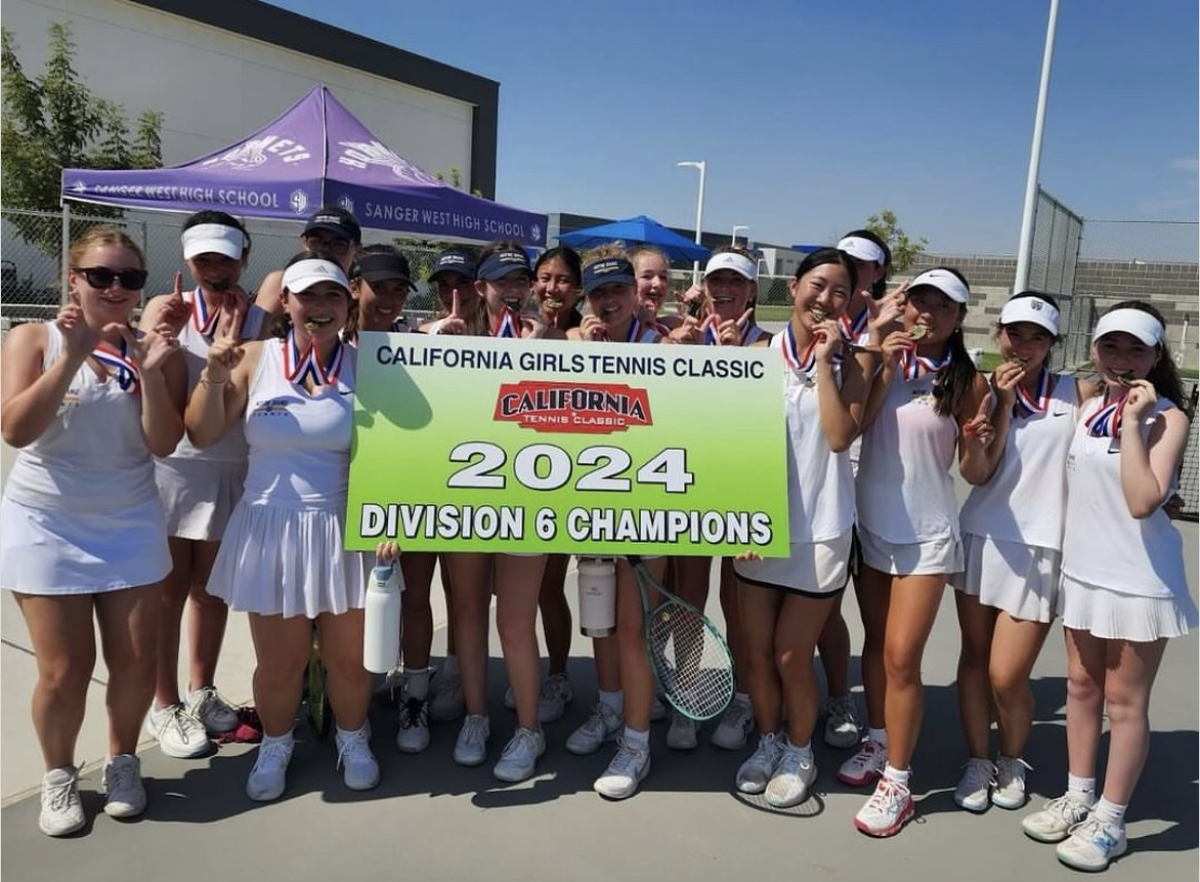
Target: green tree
904,250
54,121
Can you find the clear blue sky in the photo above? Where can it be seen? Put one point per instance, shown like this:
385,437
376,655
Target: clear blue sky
813,115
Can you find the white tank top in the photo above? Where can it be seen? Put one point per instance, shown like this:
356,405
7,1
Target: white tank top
1025,501
1104,544
195,342
93,456
299,443
905,492
820,483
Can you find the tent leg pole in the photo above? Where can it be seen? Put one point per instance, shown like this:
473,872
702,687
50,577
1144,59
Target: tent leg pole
66,251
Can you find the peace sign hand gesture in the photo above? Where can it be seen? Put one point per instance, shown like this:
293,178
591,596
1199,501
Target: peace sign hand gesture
225,354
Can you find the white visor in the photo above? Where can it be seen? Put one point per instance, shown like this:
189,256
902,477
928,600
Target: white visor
304,274
862,249
213,239
945,281
1030,309
740,264
1137,322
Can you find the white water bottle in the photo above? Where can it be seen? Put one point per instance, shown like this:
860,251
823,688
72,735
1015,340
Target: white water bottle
381,626
597,597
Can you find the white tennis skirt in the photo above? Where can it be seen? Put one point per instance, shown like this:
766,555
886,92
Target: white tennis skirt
278,561
199,495
49,552
1023,580
1114,615
943,555
811,568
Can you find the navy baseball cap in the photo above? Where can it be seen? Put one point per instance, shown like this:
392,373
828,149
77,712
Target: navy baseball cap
500,263
454,260
610,270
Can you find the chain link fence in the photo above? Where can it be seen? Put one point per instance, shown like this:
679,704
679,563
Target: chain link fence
32,264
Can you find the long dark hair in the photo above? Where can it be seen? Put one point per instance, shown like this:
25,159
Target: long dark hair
1164,376
574,264
822,256
880,287
956,380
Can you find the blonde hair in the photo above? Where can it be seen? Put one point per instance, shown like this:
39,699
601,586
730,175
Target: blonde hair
604,252
102,237
645,250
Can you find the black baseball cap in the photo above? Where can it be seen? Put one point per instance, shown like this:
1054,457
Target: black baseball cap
381,266
454,260
335,220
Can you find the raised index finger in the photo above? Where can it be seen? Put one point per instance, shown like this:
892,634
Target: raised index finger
454,304
177,294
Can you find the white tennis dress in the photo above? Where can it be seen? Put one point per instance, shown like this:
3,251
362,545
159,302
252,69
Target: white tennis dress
1013,524
81,513
1123,577
283,553
200,487
820,490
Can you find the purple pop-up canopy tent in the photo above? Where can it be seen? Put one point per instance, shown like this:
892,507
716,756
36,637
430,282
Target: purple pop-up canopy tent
316,154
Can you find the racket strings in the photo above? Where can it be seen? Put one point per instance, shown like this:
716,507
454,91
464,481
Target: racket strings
688,655
692,661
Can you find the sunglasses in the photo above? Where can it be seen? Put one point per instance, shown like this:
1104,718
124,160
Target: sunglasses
327,243
101,277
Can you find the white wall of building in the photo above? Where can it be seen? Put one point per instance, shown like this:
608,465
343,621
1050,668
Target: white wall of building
214,87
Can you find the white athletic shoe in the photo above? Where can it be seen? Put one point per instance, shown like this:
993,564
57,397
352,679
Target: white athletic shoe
625,773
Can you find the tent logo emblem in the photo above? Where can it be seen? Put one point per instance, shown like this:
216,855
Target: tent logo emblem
360,154
299,201
251,154
347,203
536,232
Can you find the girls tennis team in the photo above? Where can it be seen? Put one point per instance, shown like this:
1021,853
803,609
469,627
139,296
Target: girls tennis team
226,420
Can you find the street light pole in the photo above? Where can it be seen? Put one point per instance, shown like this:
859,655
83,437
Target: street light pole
703,166
733,236
1025,248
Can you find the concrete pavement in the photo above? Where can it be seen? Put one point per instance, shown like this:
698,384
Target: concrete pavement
433,819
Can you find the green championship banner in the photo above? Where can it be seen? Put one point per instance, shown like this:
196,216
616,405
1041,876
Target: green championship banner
481,444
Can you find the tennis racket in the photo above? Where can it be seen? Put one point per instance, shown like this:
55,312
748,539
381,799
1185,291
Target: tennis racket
688,653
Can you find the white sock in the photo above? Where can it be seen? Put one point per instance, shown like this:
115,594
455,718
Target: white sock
614,701
879,736
286,738
805,750
1109,812
742,698
344,733
898,776
636,739
417,683
1082,789
451,665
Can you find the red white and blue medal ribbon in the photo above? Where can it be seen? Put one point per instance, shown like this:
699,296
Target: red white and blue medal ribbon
508,326
206,324
805,363
297,367
913,366
1029,405
1106,422
711,337
852,330
120,364
635,331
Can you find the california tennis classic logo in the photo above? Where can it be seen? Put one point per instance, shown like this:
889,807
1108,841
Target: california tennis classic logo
360,154
252,154
592,408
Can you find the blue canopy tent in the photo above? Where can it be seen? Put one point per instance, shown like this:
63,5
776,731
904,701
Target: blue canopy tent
637,230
